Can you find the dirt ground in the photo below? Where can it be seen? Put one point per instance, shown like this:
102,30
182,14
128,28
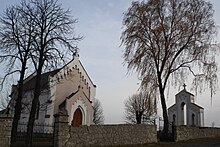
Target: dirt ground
205,142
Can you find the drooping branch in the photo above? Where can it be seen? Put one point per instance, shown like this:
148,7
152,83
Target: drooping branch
164,38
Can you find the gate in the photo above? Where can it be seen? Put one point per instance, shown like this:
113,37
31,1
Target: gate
42,135
171,133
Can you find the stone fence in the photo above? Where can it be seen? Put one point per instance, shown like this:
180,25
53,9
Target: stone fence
101,135
5,130
106,135
186,133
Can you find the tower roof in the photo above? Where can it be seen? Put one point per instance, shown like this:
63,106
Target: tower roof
185,91
197,106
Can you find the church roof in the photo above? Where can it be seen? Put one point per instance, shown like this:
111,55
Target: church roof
184,90
197,105
172,106
86,73
30,84
72,94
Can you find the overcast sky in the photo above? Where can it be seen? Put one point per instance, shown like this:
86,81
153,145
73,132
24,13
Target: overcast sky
100,22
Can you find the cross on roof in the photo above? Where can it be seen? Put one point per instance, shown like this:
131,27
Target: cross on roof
76,53
184,86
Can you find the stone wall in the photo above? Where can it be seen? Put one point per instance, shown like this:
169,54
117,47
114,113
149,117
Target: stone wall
5,130
101,135
186,133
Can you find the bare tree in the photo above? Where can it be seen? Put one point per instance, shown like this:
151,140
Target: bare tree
53,40
169,38
139,108
46,29
16,32
98,116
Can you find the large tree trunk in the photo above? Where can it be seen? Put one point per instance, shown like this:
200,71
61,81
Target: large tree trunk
18,105
35,101
164,108
139,117
165,116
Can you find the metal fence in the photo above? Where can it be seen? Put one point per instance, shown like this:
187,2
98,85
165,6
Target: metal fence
171,132
38,128
42,135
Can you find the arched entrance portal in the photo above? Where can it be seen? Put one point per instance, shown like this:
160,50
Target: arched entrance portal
183,115
77,118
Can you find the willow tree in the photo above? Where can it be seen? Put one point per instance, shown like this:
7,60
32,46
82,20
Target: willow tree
170,38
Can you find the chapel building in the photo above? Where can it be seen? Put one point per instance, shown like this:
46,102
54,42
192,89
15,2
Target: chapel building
66,90
185,111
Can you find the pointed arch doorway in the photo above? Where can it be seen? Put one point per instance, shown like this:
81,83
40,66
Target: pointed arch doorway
183,114
77,118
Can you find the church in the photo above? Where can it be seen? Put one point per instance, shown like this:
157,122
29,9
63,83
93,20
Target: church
185,111
68,90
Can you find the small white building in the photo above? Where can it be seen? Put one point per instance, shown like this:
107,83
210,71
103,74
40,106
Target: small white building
68,89
185,111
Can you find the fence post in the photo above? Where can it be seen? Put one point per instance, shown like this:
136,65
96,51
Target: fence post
61,129
5,129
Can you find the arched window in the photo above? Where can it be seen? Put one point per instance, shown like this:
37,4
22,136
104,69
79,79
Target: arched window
174,119
193,119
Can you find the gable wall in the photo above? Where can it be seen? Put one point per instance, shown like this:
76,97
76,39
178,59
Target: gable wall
191,108
80,101
61,85
69,80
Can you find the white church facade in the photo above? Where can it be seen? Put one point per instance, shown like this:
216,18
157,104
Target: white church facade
185,111
68,90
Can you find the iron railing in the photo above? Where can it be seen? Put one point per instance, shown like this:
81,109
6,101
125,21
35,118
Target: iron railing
38,128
